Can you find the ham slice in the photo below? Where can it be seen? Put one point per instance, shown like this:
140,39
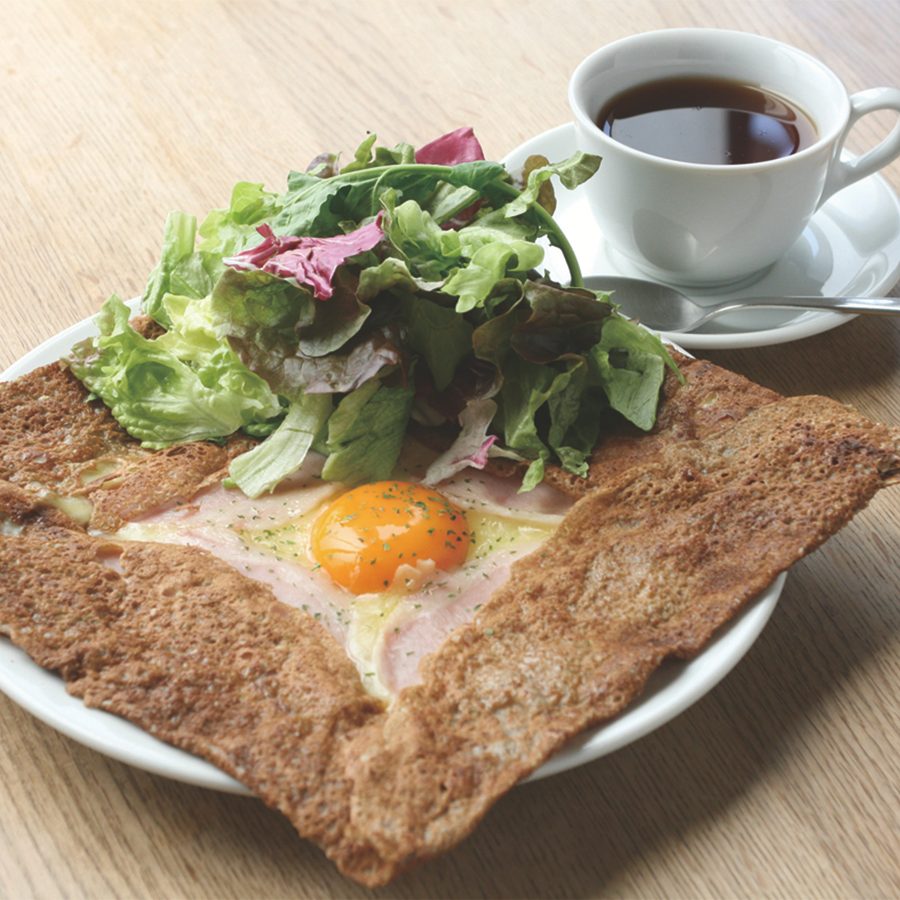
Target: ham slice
264,539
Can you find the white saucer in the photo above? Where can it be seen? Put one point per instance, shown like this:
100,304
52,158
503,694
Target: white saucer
850,248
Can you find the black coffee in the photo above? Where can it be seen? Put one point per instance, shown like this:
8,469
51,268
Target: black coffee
707,120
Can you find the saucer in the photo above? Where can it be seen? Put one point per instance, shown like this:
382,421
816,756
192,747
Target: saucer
851,247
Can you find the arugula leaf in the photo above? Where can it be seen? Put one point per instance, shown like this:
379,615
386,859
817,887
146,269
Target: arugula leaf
448,202
571,172
368,155
317,206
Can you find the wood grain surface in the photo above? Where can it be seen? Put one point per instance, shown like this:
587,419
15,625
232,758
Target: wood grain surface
782,782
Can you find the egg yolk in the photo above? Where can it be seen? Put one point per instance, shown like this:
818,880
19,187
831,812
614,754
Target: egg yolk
363,537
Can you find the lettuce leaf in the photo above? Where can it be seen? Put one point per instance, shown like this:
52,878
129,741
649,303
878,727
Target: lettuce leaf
495,227
313,309
495,247
160,399
179,270
443,338
475,282
261,309
259,471
280,318
366,432
472,444
296,343
564,356
337,373
190,269
561,322
526,388
631,386
629,363
390,273
225,232
533,394
419,241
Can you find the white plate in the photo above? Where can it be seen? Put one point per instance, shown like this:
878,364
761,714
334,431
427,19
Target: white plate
671,690
850,248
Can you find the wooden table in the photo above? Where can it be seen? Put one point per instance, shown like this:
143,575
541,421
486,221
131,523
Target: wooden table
782,782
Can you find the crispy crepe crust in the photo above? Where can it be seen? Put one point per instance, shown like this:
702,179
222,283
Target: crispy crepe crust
678,531
51,438
646,568
199,656
54,442
161,479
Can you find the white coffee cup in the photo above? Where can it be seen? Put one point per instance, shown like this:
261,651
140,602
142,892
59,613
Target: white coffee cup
697,224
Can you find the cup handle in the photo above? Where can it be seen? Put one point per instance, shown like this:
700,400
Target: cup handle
841,173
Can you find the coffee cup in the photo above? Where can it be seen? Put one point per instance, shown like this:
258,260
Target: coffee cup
702,223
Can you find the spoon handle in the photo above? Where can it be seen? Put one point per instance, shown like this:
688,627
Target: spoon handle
884,306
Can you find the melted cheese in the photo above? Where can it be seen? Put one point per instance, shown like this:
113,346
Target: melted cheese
387,633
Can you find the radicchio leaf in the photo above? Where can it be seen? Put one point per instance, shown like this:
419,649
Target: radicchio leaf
454,147
472,445
307,260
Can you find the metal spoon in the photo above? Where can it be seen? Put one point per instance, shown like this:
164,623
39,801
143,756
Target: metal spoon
664,308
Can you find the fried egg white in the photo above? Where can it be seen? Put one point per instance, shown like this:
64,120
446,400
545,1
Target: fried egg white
389,568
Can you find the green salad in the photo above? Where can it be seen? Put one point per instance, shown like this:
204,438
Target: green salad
400,290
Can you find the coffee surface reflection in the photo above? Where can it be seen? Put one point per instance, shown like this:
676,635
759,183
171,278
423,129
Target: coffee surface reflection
712,121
